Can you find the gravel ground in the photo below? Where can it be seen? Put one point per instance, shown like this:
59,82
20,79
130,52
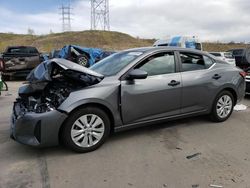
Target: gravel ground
154,156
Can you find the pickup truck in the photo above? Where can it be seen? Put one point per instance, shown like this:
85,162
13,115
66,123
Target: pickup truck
18,61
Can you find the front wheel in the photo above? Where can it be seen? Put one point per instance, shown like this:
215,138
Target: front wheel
86,129
222,107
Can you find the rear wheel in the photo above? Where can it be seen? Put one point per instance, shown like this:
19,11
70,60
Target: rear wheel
86,129
222,107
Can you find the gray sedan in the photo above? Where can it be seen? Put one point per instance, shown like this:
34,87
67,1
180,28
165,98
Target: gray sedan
79,107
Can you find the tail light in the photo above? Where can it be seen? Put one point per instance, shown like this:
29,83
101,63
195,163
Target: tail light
243,74
1,65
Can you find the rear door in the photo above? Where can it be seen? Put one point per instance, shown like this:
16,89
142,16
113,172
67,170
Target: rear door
158,95
198,81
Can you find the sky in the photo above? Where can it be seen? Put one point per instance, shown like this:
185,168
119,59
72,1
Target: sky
213,20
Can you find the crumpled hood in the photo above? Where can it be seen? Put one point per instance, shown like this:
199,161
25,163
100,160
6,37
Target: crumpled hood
45,71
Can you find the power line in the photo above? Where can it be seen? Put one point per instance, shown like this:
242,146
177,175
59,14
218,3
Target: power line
100,15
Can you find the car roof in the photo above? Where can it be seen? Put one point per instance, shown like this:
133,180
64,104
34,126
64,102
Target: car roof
160,48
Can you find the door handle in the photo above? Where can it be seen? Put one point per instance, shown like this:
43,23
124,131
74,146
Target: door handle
216,76
173,83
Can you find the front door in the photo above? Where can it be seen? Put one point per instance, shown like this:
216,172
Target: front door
157,96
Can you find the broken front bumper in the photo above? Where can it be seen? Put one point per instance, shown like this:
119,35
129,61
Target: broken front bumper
36,129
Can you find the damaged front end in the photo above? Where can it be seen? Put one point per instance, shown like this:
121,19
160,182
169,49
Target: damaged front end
35,110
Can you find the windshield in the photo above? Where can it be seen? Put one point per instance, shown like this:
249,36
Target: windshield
115,63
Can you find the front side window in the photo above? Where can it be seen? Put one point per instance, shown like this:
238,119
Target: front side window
192,61
162,63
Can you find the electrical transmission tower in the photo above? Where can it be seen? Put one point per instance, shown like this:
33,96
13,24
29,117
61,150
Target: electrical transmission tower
100,15
66,17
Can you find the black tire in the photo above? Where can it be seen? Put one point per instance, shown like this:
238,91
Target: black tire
214,115
66,137
83,60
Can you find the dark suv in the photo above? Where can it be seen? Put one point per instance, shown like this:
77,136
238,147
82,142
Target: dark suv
242,57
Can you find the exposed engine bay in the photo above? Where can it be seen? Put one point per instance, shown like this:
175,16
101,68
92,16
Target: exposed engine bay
48,99
51,83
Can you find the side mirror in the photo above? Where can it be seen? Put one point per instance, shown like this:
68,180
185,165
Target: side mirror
137,74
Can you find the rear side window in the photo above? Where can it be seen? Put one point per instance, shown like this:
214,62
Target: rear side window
198,46
162,63
192,61
238,52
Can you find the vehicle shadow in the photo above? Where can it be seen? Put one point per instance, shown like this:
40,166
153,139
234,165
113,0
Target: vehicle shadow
247,97
157,128
154,130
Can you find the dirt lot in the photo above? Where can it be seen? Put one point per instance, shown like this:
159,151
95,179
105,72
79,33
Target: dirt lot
152,156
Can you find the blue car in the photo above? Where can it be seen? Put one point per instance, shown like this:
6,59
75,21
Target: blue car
81,55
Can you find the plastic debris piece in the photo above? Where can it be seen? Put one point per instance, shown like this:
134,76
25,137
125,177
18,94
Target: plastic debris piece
195,185
192,156
216,186
240,107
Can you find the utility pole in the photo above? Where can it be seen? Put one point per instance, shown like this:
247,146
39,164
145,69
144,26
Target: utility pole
66,17
100,15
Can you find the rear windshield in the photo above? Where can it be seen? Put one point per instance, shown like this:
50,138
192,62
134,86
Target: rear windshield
216,54
228,55
22,50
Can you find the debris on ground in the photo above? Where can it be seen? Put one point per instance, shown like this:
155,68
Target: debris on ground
216,186
195,185
178,148
192,156
240,107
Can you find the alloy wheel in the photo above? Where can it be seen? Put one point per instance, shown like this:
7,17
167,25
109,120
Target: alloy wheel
87,130
224,106
83,61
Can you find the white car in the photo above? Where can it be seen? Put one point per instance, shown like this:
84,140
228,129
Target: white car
225,56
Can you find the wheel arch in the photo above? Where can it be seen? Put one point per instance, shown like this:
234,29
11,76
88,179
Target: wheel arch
229,89
91,104
233,92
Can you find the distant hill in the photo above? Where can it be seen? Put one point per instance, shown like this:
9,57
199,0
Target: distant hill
108,40
100,39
